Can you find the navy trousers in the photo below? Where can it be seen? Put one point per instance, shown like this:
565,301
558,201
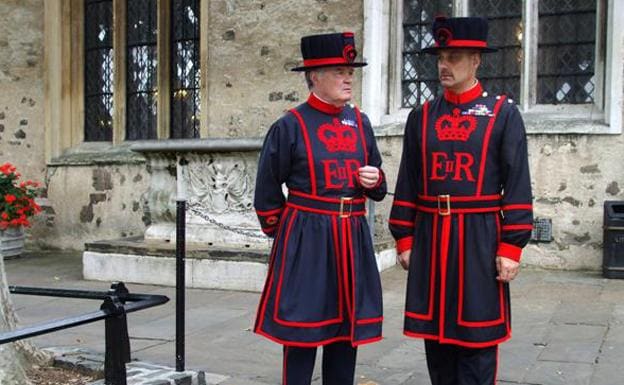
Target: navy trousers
338,364
458,365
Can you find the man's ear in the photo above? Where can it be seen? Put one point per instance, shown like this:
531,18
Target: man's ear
477,59
315,76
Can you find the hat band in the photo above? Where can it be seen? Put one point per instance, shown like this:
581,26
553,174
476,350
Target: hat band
325,61
463,43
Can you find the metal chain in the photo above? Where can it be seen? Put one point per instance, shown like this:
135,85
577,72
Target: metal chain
202,214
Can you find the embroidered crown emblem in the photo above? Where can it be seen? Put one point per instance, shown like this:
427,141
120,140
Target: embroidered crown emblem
337,137
456,126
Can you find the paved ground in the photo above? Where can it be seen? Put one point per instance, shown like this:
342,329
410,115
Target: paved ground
568,328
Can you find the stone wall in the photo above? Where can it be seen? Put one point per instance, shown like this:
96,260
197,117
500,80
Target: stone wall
21,87
91,202
572,177
253,46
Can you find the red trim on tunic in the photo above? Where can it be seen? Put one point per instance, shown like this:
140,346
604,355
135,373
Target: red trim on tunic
464,97
444,247
367,321
526,226
306,139
269,280
425,117
366,341
456,341
345,266
320,211
420,335
498,229
269,212
401,223
358,115
518,207
323,199
432,276
338,264
467,344
278,294
510,251
303,344
474,210
404,204
404,244
352,267
486,142
467,198
460,301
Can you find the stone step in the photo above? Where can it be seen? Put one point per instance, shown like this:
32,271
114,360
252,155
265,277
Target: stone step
208,267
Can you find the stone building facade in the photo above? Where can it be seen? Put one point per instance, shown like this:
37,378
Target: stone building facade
99,189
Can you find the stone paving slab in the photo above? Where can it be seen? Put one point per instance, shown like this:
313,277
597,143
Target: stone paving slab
574,343
568,328
586,313
610,374
560,373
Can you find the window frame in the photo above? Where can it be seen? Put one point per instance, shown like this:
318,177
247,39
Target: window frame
64,71
604,116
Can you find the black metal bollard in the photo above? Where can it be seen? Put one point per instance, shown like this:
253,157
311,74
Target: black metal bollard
119,290
117,342
180,282
180,260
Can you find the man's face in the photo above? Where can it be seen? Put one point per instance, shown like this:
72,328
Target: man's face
333,84
457,68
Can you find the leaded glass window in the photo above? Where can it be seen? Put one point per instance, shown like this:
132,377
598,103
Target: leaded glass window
98,70
185,74
566,51
500,71
141,65
419,78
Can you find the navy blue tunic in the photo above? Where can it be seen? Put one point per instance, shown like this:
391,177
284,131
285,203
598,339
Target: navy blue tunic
463,196
323,284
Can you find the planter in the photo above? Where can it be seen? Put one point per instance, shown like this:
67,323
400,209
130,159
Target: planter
11,242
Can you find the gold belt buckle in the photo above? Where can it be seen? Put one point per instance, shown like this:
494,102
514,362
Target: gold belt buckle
444,200
344,200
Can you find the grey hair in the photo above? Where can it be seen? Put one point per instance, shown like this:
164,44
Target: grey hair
308,77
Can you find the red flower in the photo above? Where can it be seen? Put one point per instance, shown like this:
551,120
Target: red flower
17,198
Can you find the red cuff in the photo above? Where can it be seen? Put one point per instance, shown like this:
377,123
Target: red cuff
270,231
510,251
404,244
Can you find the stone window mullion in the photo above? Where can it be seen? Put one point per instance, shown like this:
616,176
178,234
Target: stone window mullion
119,48
164,80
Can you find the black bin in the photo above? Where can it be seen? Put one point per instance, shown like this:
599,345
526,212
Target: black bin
613,240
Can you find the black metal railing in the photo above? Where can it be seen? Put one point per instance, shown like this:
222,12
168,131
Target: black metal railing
113,311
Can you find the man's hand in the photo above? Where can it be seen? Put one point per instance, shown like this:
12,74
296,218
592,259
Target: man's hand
404,258
507,269
369,176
